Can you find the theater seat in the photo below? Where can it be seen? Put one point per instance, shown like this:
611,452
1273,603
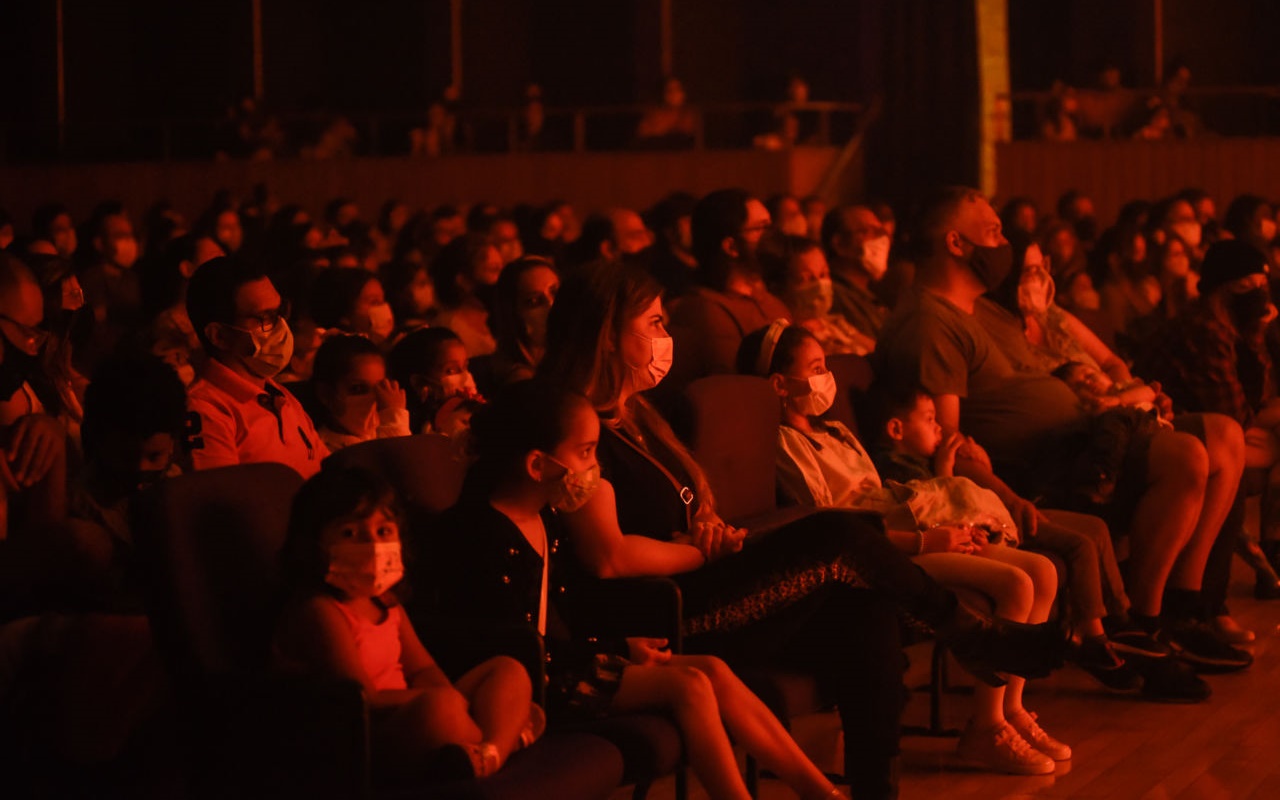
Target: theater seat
209,544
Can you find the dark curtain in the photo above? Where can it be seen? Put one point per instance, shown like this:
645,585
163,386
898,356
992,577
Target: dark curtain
928,132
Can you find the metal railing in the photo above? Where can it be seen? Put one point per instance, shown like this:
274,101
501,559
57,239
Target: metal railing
1117,114
477,130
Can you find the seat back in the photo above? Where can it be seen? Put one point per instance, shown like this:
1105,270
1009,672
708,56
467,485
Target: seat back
853,379
426,470
734,438
210,547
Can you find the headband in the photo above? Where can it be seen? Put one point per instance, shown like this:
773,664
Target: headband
770,343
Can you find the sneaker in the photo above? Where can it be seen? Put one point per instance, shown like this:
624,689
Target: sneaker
1024,722
1230,631
1128,638
1099,659
1002,749
1196,642
1170,680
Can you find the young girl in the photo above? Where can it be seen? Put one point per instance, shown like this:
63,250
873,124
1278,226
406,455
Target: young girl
536,445
431,363
822,463
360,402
341,560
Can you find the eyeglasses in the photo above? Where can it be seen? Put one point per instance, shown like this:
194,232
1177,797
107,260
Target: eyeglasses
268,320
29,339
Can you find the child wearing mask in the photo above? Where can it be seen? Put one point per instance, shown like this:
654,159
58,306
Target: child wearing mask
959,533
536,447
351,299
360,402
342,560
796,270
431,363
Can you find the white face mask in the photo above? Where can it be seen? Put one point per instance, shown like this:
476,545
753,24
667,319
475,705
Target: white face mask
1268,230
462,383
364,569
652,372
875,257
126,252
271,351
381,320
1035,292
1188,231
822,393
812,300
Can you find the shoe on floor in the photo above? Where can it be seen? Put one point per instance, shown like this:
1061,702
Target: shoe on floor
1170,680
1099,659
1024,722
1229,631
1002,749
1198,644
1128,638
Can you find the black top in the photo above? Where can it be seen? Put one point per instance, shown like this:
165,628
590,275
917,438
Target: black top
649,501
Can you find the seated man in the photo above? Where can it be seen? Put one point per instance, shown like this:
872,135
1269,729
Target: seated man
238,414
857,248
942,337
708,325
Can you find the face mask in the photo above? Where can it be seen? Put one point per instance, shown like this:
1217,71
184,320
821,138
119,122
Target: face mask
813,300
462,383
1035,293
659,364
822,393
1268,230
875,257
187,374
364,569
574,488
1248,308
271,351
381,321
1178,265
1188,231
991,264
535,324
126,252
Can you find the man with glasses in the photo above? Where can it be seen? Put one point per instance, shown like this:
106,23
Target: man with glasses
857,247
238,413
732,301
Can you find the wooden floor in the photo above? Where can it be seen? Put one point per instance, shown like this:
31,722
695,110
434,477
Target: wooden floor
1227,747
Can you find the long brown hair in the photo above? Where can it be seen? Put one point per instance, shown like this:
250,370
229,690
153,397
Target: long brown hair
591,313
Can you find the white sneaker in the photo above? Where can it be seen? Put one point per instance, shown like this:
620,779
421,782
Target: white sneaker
1027,727
1002,749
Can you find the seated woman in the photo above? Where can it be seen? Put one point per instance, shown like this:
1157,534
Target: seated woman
1037,335
522,301
802,594
360,403
342,562
464,273
411,294
536,453
796,270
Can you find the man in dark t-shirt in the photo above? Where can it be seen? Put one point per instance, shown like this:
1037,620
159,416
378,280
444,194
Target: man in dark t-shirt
1024,419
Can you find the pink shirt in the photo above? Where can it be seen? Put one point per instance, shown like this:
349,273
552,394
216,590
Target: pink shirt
234,421
379,647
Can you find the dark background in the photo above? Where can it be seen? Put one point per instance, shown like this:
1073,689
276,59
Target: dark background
134,61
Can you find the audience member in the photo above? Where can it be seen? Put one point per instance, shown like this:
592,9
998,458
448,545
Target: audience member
464,274
536,453
671,261
360,403
352,300
857,248
522,300
732,300
431,365
239,414
111,291
672,124
796,270
52,223
342,562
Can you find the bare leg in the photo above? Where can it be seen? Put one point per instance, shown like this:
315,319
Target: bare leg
499,693
1044,581
1177,472
688,695
1225,448
755,727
